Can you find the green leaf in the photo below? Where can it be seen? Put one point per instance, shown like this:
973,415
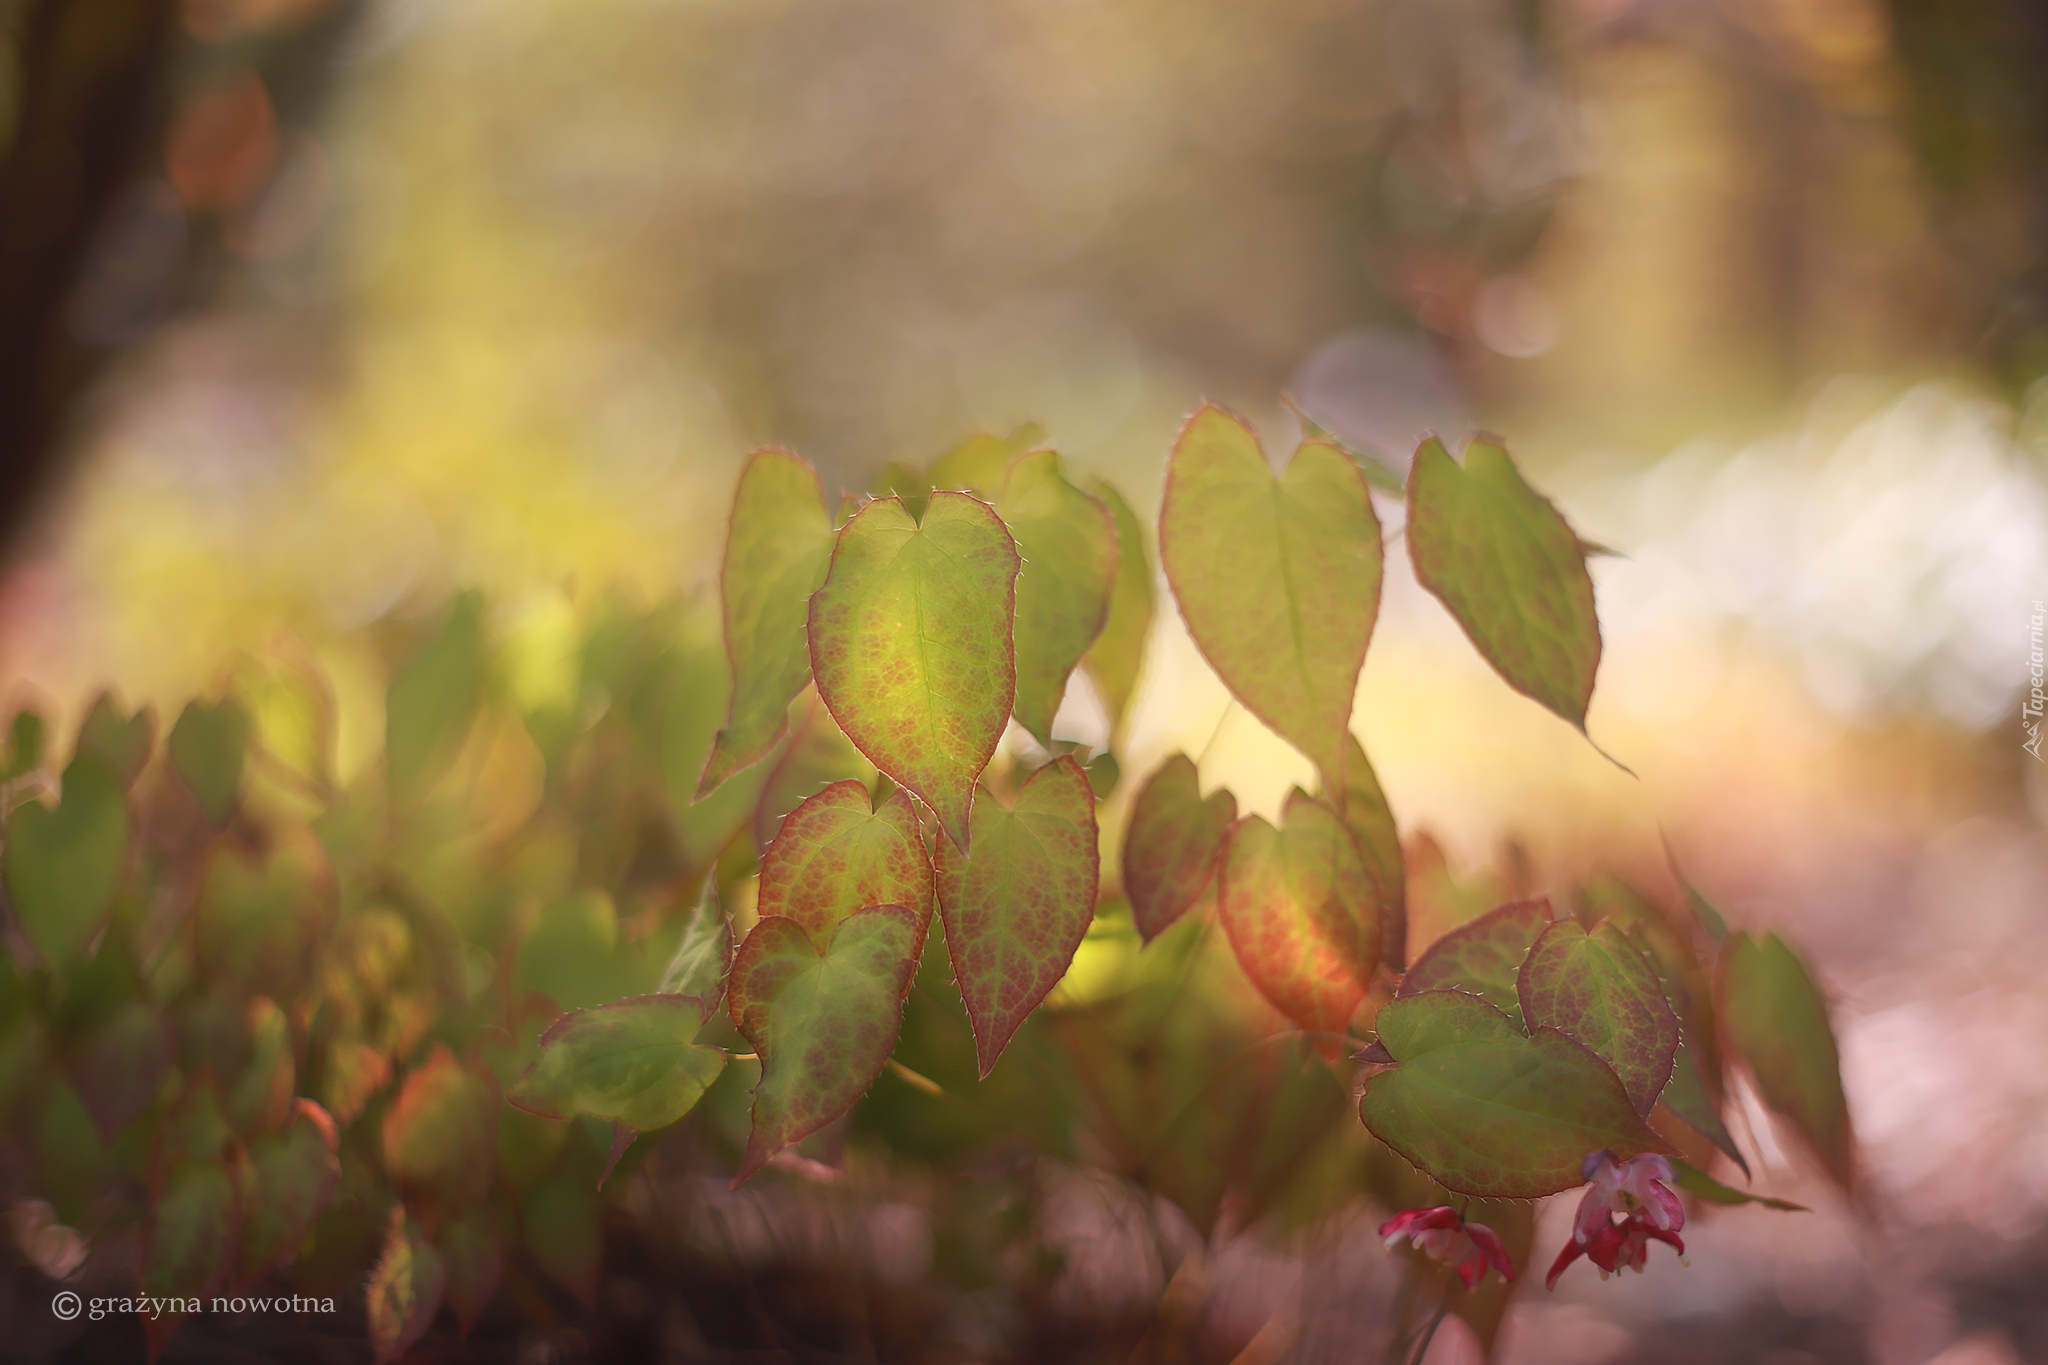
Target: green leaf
704,955
207,748
441,1133
776,553
24,744
1113,661
1278,578
838,853
120,742
120,1067
1068,542
191,1242
1700,1185
1017,907
261,913
980,463
1302,913
63,867
1487,1110
1688,1097
1598,989
290,1178
405,1289
1774,1018
1172,844
823,1023
1502,559
631,1061
434,695
262,1097
472,1248
1371,822
1483,956
911,648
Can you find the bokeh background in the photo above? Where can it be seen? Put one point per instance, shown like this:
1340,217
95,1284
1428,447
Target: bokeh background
316,311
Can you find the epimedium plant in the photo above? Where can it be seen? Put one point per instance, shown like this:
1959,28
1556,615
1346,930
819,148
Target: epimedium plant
285,1015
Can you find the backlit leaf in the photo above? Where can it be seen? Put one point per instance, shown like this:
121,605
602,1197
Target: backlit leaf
1371,822
1302,912
1017,907
1483,956
1773,1016
777,549
121,742
405,1289
291,1176
823,1023
1172,844
207,747
1502,559
1068,543
1598,989
1278,578
63,867
981,463
1113,661
631,1061
441,1133
191,1240
838,853
434,694
1487,1110
704,955
911,644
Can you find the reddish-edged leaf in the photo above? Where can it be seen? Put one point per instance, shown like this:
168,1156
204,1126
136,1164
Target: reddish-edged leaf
1302,912
354,1073
777,549
631,1061
120,1067
1277,577
207,747
63,866
1502,559
1171,844
823,1023
818,754
405,1289
839,852
1773,1018
1371,822
191,1242
1487,1110
441,1133
1018,906
1113,661
1597,988
289,1179
1483,956
1068,542
1699,1184
911,644
472,1247
262,1096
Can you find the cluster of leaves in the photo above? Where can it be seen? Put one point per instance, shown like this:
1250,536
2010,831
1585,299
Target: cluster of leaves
280,1018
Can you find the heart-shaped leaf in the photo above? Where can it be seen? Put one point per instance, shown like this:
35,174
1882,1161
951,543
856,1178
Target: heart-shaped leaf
838,853
911,644
631,1061
1171,844
1019,904
1487,1110
121,742
1277,577
1774,1018
441,1133
823,1023
191,1242
1113,661
1504,562
980,463
290,1177
1302,912
63,866
777,549
1068,542
207,747
1483,956
1371,822
120,1067
1598,989
405,1289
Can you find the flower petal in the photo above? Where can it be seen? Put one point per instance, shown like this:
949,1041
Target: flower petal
1411,1221
1490,1247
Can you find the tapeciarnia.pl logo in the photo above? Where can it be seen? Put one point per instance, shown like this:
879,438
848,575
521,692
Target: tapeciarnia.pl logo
2030,711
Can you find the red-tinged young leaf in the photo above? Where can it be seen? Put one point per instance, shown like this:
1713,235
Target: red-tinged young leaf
63,867
777,549
1172,844
1068,542
1687,1097
1371,822
631,1061
405,1289
911,644
291,1176
1017,907
472,1247
1302,913
433,696
1598,989
1113,661
823,1023
1773,1018
1483,956
207,747
121,743
441,1133
355,1072
1700,1185
1277,577
191,1242
838,852
1486,1110
121,1066
1509,569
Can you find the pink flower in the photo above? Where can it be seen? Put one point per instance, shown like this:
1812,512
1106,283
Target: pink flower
1442,1235
1636,1189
